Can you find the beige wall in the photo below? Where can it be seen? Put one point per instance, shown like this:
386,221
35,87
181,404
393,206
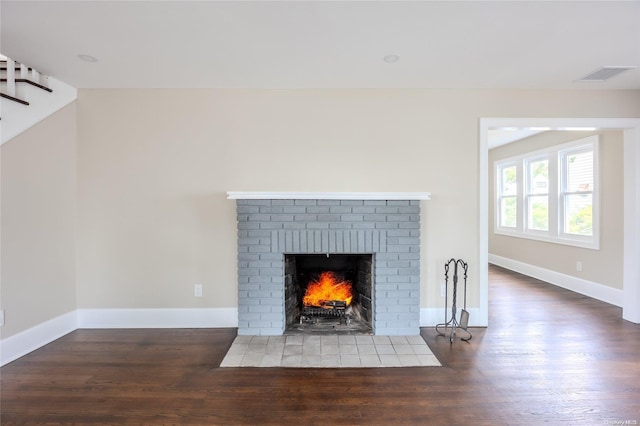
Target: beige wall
154,166
603,266
38,223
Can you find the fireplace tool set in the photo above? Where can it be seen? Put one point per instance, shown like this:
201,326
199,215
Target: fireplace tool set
453,323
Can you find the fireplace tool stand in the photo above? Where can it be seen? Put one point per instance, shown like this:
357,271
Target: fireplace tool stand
453,323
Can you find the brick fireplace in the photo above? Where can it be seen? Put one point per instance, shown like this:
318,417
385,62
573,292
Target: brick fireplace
273,225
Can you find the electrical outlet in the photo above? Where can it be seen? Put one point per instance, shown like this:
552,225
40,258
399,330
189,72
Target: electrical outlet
1,317
197,290
579,266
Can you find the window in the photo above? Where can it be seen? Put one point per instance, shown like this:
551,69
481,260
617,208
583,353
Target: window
550,195
537,195
577,192
508,188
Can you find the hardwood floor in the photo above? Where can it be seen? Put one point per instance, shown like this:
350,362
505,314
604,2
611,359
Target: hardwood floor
549,356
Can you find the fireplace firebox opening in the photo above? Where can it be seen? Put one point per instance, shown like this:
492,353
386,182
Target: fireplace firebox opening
328,293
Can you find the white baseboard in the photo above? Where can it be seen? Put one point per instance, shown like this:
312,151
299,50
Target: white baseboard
158,318
592,289
20,344
429,317
13,347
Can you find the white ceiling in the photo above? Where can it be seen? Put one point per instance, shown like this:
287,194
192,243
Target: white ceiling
325,44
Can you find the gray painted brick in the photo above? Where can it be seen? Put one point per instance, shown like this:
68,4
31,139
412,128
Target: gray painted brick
363,209
404,240
259,249
398,218
248,225
362,225
386,271
408,256
270,225
351,202
294,209
317,225
270,271
295,242
270,301
249,241
282,217
271,209
387,210
398,249
339,226
260,279
260,308
340,209
294,225
387,225
249,316
409,210
248,209
316,209
273,316
271,256
249,256
386,316
253,202
409,225
258,217
258,233
399,233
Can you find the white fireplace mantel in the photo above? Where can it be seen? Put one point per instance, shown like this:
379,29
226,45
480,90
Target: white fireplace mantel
269,195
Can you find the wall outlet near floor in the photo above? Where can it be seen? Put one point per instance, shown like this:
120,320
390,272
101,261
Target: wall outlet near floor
197,290
579,266
1,317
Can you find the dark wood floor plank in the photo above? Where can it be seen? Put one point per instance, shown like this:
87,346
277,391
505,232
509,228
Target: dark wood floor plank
549,356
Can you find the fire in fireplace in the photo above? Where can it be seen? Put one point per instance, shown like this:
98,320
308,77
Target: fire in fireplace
328,293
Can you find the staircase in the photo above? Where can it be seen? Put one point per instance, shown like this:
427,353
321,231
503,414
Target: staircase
12,73
27,97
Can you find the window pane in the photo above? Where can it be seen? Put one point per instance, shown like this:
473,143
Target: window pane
538,213
508,212
539,177
578,214
509,181
579,172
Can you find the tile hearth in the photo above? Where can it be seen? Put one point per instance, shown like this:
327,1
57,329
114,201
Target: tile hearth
344,351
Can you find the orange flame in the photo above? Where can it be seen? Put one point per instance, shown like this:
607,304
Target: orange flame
328,287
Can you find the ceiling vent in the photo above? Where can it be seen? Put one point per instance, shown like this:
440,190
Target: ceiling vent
605,73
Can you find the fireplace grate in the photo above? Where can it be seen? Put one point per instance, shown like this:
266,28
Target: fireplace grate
329,309
313,311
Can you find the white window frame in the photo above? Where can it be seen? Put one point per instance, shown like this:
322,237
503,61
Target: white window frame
527,193
499,195
556,194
